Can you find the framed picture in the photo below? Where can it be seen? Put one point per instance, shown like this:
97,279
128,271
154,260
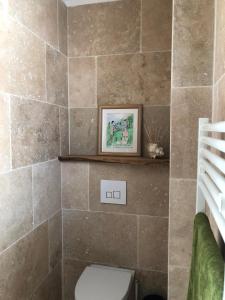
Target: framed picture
120,130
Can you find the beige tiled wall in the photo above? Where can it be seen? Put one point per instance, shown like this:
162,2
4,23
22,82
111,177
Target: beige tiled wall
118,53
33,131
191,98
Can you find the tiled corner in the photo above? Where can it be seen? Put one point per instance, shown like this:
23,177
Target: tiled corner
178,283
64,130
193,43
147,188
157,120
37,123
5,157
188,105
82,82
83,131
117,23
51,287
152,282
16,206
22,62
153,243
46,190
134,78
62,26
55,240
182,198
56,77
39,16
72,271
99,237
75,185
23,266
156,25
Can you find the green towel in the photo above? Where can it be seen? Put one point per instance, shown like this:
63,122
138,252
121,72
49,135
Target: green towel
207,267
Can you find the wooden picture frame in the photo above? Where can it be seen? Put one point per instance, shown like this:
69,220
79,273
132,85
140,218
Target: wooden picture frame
119,131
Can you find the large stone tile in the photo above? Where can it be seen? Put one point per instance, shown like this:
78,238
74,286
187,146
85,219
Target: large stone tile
219,63
82,82
219,101
64,131
157,119
22,60
134,78
156,25
39,16
55,240
83,131
24,265
182,198
99,237
72,271
51,288
193,42
62,26
152,282
46,190
75,185
104,28
15,206
188,105
35,132
147,188
178,283
153,243
5,157
56,77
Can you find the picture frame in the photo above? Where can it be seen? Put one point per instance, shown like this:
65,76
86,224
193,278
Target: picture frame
119,130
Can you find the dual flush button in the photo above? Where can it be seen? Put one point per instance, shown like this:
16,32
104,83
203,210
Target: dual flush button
114,192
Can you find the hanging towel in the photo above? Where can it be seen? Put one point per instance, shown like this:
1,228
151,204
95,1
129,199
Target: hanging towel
207,267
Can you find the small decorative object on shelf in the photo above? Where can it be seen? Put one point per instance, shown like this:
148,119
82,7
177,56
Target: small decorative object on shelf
153,134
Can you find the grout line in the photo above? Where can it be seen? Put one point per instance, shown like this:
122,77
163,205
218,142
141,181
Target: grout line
113,213
60,133
10,131
46,90
120,54
32,195
96,81
171,111
144,105
28,166
25,235
16,20
141,30
88,186
138,252
191,87
21,97
58,23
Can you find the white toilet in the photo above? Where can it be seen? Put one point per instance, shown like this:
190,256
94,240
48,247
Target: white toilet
105,283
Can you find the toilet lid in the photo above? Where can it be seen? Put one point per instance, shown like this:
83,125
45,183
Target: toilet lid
101,283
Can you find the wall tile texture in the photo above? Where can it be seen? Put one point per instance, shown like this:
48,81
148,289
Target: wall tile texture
33,132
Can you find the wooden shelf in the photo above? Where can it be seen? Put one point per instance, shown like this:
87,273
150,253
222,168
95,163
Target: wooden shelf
114,159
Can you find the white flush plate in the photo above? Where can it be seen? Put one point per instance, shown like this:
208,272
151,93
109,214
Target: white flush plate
114,192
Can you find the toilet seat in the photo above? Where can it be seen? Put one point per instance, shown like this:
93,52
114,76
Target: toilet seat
101,283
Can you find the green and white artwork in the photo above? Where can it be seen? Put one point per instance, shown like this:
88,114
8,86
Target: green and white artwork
120,130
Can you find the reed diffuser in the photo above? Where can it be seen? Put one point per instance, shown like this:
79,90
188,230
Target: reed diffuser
154,136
